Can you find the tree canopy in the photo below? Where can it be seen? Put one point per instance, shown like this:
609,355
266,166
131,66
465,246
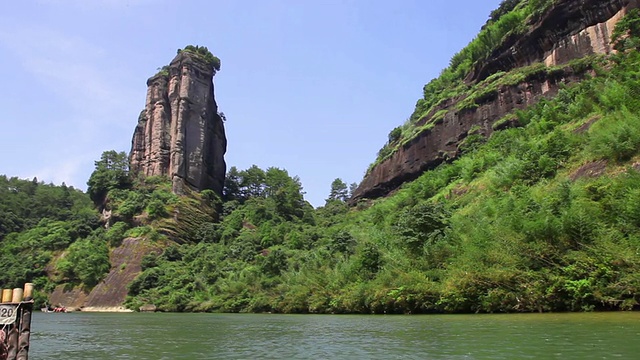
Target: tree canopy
111,172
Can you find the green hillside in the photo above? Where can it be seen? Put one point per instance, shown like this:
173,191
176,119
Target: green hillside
511,19
542,217
539,217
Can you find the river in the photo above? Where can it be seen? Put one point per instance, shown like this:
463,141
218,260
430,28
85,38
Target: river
98,336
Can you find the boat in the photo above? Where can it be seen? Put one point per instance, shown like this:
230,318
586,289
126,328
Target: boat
56,309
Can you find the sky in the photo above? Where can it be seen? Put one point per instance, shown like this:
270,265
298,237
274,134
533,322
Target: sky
310,86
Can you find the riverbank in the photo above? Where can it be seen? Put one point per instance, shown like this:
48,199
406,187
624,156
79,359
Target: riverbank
113,309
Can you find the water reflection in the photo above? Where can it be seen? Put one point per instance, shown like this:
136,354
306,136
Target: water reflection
231,336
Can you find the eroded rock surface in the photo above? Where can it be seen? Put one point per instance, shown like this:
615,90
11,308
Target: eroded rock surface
110,293
179,132
572,29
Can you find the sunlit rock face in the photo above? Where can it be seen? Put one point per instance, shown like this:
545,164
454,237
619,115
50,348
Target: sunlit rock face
572,29
179,133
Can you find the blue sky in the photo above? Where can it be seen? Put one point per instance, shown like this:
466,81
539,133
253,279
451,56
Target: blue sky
313,87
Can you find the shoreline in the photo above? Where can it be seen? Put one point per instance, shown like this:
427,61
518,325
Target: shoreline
114,309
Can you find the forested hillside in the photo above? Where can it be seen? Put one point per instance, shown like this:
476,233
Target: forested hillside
38,221
540,216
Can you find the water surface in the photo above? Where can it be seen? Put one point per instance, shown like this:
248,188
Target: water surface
158,336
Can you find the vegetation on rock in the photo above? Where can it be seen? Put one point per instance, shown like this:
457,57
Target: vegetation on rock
539,217
205,54
511,19
518,223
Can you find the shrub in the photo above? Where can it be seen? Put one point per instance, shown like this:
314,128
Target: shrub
156,209
205,54
616,137
87,261
116,233
395,134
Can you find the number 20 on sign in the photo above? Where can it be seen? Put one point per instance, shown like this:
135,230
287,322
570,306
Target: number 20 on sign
7,314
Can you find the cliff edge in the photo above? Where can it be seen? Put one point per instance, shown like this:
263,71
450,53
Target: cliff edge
567,31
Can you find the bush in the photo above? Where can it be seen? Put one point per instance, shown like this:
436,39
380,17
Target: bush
205,54
423,224
87,260
156,209
616,137
395,134
116,233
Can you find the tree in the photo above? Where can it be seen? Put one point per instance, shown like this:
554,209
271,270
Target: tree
285,191
252,182
111,172
352,189
626,35
395,134
338,191
87,260
423,224
231,189
505,7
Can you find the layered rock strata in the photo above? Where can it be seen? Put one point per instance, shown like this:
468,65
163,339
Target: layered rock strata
179,132
111,292
572,29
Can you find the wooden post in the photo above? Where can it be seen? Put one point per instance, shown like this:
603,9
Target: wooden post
15,315
25,331
28,291
12,341
7,294
17,295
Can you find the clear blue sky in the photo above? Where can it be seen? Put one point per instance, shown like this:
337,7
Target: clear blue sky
313,87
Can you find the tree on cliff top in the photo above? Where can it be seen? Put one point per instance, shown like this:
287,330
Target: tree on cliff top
203,52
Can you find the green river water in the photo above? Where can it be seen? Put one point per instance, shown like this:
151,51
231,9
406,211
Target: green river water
158,336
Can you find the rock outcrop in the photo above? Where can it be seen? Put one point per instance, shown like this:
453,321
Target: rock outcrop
110,293
179,132
571,29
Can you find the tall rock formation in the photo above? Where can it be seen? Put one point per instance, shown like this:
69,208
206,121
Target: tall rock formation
570,30
179,132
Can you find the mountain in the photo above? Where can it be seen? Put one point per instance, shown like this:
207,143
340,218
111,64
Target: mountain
180,133
165,191
513,187
527,54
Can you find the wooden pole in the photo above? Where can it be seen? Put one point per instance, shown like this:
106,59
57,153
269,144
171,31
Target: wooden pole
25,331
28,291
16,317
12,341
4,352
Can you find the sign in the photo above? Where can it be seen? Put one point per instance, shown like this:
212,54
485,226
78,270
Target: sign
8,314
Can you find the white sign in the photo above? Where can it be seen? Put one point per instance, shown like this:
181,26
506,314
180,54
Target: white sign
8,314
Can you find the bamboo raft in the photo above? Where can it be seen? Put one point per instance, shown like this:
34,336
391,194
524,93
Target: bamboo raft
16,308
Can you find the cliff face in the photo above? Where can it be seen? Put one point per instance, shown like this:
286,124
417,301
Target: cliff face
179,132
572,29
110,293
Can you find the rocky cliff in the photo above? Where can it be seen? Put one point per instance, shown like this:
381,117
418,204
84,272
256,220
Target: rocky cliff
570,30
179,132
110,293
